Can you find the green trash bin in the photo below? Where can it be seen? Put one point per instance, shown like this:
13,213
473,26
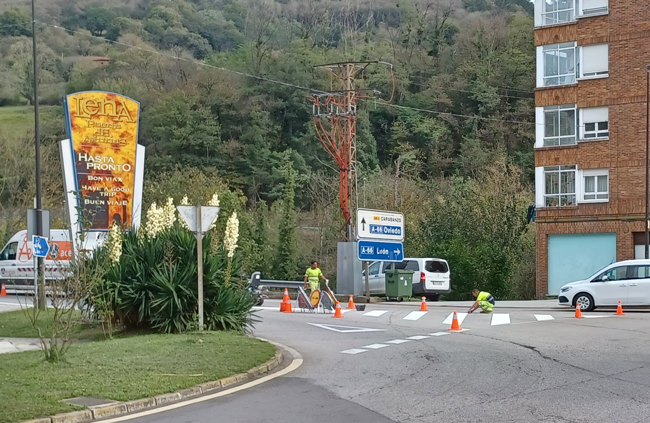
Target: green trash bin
399,284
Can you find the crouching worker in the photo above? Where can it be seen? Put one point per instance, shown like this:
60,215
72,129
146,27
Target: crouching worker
485,300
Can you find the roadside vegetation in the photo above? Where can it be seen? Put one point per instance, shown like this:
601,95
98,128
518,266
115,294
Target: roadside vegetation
456,157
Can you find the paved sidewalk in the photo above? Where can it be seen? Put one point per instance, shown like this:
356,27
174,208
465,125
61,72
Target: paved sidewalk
11,345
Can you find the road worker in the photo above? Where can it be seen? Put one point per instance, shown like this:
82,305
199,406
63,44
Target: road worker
484,300
312,275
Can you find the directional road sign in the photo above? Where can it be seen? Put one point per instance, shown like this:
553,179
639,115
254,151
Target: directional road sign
380,250
375,224
41,247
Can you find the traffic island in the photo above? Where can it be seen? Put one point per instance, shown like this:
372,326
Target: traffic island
132,373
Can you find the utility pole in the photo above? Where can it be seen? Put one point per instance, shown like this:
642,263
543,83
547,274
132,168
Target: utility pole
40,288
647,159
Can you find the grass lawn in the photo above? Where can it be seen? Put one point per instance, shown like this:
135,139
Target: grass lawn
15,324
122,369
16,120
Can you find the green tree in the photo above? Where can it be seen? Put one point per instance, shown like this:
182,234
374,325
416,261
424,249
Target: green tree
98,19
15,23
285,267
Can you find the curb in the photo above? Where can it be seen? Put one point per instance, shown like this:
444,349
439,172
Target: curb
119,408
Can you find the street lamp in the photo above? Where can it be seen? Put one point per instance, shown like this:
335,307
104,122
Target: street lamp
647,149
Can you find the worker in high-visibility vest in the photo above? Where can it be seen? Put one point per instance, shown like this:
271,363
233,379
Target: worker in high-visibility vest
485,300
311,276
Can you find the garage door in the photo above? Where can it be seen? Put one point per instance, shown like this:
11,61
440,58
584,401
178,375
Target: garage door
577,256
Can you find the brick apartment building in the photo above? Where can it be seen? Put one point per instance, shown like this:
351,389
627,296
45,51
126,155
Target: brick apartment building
590,136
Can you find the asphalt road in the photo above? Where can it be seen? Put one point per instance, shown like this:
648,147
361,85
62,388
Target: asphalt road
528,370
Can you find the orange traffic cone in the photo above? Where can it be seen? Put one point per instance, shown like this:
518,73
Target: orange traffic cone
423,307
455,326
3,291
338,314
619,310
578,311
285,297
287,307
351,303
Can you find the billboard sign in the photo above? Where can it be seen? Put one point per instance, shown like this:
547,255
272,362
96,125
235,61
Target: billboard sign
103,163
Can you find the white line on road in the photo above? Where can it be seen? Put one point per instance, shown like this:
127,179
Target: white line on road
376,346
439,333
543,317
375,313
461,317
417,337
397,341
354,351
297,362
344,329
500,319
415,315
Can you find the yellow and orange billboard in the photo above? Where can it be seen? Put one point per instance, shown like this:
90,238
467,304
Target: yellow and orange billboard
102,129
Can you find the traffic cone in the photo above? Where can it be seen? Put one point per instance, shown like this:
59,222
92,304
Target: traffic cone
285,297
351,303
3,291
619,310
338,314
578,312
455,326
287,307
423,307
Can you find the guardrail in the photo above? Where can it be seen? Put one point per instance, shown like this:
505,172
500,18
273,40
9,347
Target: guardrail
256,280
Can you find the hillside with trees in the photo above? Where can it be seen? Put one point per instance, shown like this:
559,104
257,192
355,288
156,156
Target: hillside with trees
225,90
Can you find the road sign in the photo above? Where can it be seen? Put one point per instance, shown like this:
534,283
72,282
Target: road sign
41,247
375,224
189,215
380,250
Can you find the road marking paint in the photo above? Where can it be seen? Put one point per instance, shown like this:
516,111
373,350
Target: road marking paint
375,313
458,331
397,341
461,317
376,346
417,337
354,351
345,310
500,319
439,333
297,362
344,329
415,315
543,317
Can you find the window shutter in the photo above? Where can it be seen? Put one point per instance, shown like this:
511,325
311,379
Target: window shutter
595,114
595,59
590,7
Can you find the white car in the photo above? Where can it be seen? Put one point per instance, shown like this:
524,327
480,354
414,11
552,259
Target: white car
431,276
625,281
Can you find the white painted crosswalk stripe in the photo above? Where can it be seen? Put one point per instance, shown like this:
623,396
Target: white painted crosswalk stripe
543,317
461,317
354,351
376,346
415,315
500,319
375,313
397,341
439,333
417,337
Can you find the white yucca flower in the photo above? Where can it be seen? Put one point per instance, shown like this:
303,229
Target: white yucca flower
169,213
153,225
115,243
214,202
232,234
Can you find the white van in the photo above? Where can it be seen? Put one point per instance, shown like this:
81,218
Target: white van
17,261
431,276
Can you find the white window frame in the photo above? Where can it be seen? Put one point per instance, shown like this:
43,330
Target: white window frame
563,198
585,135
542,79
593,173
581,60
558,110
554,15
596,11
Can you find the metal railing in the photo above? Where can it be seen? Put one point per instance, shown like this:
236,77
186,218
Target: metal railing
256,281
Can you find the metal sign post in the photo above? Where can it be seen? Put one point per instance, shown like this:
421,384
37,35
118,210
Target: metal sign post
198,220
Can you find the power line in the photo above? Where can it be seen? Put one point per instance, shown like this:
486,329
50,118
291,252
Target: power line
501,87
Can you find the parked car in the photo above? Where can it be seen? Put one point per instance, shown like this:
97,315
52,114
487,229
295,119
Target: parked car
626,281
431,276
